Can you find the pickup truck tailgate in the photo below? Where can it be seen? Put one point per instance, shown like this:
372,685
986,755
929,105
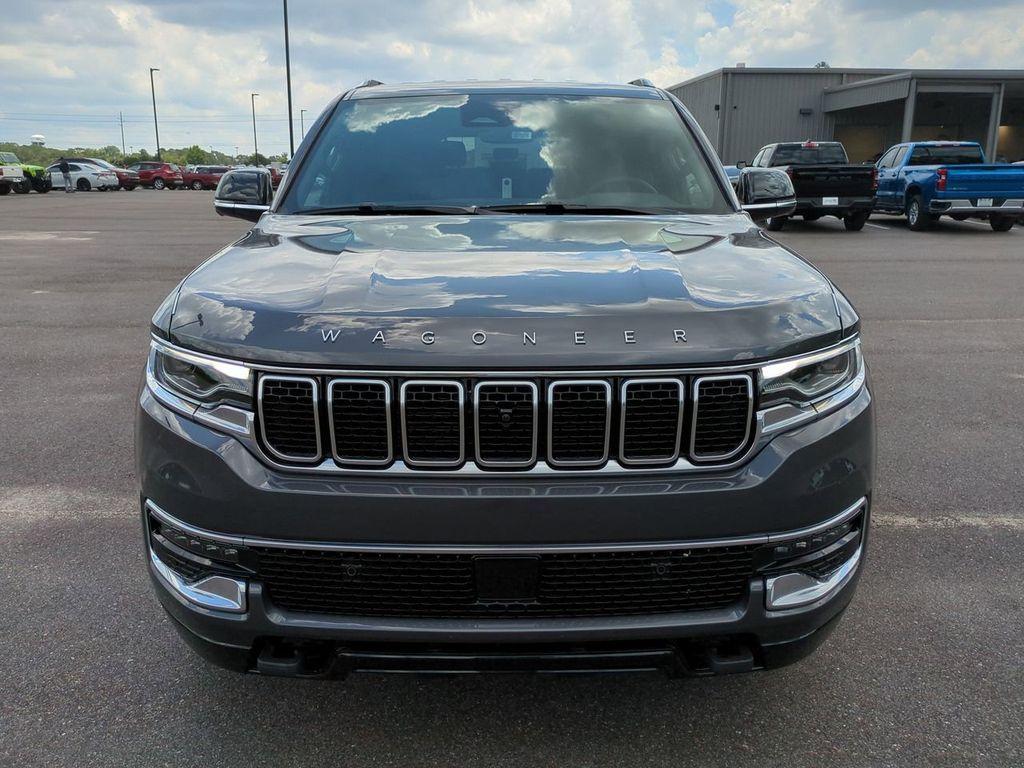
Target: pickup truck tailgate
833,180
996,181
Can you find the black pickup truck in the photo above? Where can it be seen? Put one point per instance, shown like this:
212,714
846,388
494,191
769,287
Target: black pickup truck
825,182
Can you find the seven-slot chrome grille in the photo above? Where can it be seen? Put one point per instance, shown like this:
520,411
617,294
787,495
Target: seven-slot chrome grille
505,425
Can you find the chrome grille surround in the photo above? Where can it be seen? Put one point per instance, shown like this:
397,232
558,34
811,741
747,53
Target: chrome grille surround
564,384
438,385
264,380
483,386
698,382
348,460
624,414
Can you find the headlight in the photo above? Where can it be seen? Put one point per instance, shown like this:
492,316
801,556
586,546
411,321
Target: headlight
199,379
805,380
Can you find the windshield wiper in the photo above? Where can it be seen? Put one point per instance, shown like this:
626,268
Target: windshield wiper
386,209
556,208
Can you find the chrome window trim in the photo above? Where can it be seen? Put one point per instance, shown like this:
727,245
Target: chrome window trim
316,418
696,410
387,411
760,538
607,421
622,422
462,423
476,424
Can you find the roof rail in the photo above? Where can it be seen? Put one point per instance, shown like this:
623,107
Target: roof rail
643,82
370,83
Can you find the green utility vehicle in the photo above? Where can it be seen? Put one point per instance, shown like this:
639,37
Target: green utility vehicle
36,176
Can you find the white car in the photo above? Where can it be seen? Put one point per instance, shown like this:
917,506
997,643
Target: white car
84,177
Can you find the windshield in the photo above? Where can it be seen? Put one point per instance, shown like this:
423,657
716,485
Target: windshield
102,163
963,155
9,157
500,150
809,154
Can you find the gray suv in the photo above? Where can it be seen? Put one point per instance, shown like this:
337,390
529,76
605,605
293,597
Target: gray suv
505,377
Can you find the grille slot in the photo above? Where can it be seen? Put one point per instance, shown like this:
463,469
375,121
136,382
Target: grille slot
444,585
652,420
359,411
432,422
505,423
288,417
579,417
722,407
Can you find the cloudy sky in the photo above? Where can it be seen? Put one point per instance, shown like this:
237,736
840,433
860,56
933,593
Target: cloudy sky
88,60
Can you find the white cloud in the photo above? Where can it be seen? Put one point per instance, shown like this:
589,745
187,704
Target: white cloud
93,59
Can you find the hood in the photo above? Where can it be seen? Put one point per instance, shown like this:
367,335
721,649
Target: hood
503,291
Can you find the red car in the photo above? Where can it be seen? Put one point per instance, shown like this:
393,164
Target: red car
125,178
204,176
158,175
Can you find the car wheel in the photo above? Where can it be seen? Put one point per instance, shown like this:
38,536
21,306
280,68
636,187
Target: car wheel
23,187
158,183
1001,223
855,221
917,219
4,189
775,223
42,187
197,185
83,185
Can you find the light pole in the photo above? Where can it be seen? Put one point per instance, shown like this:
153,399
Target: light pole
156,126
255,146
302,122
288,74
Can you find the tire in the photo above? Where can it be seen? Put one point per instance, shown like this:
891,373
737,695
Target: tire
42,185
23,187
83,185
197,185
4,189
775,223
917,219
1001,223
855,221
158,183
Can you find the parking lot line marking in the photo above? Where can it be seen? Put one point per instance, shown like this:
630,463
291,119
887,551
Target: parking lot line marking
951,521
876,226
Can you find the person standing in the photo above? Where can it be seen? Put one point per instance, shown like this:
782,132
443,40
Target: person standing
65,169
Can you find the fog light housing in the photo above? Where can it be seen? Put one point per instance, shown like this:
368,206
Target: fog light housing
807,569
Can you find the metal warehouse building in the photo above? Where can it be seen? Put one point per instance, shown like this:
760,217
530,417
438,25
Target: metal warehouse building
741,109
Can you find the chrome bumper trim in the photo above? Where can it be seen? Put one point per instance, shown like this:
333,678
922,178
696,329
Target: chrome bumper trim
793,590
251,541
1010,206
218,593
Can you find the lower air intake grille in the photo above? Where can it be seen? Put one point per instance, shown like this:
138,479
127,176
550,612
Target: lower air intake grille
721,419
288,417
506,426
445,585
360,413
652,412
432,422
578,421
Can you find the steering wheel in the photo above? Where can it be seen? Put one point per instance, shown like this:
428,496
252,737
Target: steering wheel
628,181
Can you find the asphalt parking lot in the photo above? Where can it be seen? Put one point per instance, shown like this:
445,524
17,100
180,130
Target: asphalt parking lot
927,667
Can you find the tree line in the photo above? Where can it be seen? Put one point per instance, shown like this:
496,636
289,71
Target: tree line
194,155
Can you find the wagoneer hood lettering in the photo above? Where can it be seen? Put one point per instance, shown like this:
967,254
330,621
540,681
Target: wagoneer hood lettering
504,290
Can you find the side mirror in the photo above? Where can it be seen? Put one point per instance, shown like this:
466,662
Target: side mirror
741,164
244,193
765,192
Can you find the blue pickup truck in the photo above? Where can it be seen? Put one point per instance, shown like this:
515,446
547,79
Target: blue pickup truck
928,179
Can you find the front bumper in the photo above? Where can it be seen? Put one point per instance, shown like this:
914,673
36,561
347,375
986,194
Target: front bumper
209,481
976,206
